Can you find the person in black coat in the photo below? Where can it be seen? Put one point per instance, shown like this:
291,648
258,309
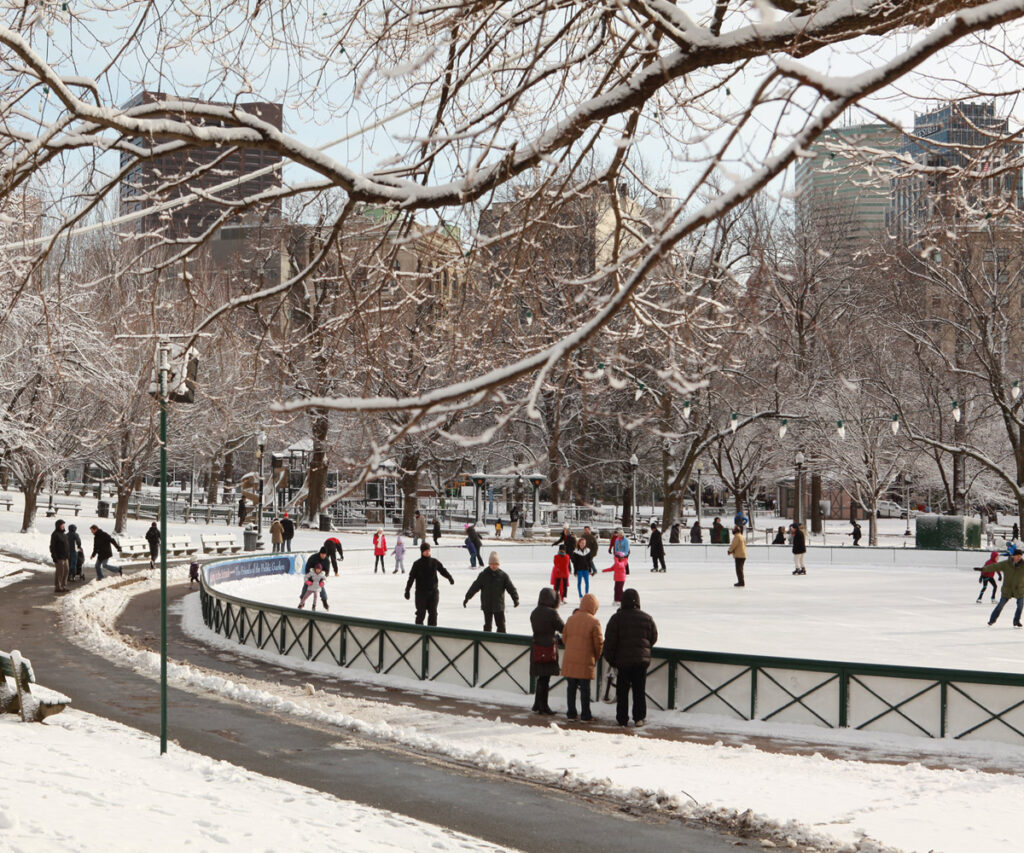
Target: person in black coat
492,584
59,553
657,548
673,534
546,624
696,537
566,538
799,549
857,532
241,510
718,532
424,574
75,556
334,552
628,640
289,533
436,530
780,537
153,538
102,543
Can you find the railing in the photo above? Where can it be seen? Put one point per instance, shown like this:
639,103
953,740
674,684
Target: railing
926,702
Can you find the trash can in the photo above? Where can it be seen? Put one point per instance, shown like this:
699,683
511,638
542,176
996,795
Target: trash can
103,509
250,538
325,521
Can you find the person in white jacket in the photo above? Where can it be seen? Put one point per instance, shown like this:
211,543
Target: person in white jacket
315,582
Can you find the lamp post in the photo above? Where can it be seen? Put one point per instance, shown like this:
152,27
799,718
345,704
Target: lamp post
700,489
536,480
261,445
480,482
633,464
799,459
906,495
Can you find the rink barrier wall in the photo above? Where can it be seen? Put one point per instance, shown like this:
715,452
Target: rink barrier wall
925,702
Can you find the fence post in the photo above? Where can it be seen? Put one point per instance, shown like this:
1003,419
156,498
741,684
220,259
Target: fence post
844,698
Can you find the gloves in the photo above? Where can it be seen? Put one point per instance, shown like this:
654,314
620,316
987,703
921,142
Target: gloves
515,603
463,603
451,581
407,595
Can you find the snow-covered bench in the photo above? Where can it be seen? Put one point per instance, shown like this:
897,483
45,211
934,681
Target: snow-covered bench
181,546
65,506
134,549
18,695
6,501
219,543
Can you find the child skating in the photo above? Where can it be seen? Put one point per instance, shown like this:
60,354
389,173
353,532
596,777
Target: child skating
619,567
316,581
399,553
560,574
989,577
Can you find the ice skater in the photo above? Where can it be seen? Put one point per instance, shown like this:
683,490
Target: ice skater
399,553
316,582
988,577
619,568
1013,586
560,573
380,548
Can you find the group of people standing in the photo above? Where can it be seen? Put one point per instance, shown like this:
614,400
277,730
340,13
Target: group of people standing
69,558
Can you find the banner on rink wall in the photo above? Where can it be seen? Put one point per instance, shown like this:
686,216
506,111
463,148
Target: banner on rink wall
252,567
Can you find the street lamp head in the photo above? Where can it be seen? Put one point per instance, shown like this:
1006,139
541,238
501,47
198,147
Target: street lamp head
261,438
799,458
783,427
895,425
956,411
633,461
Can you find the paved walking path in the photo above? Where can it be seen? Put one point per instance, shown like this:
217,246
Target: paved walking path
523,815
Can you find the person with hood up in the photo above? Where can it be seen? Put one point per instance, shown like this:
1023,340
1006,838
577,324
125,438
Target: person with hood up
380,548
988,577
287,533
424,574
673,534
334,553
696,535
474,544
277,536
76,558
153,538
102,545
546,623
583,645
629,638
399,552
59,553
718,534
492,584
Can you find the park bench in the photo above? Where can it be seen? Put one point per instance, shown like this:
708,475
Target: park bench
207,513
6,501
64,505
17,694
134,549
180,546
219,543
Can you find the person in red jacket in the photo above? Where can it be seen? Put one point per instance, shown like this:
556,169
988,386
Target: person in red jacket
619,567
989,578
560,573
380,548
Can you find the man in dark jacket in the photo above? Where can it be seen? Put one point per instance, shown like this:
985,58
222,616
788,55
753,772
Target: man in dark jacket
102,543
628,640
424,574
492,584
1013,586
334,553
567,539
436,530
657,548
153,538
288,534
591,539
799,549
59,552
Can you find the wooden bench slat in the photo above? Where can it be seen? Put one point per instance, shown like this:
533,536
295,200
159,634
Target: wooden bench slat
35,704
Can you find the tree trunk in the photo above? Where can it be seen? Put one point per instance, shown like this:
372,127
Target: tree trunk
816,526
316,476
211,486
229,467
31,491
409,483
124,494
627,507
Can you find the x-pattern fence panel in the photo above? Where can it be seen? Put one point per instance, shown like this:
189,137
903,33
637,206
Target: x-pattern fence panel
869,697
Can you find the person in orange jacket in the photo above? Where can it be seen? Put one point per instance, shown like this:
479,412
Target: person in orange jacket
619,567
560,573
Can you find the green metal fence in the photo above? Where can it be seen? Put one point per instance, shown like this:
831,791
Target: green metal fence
926,702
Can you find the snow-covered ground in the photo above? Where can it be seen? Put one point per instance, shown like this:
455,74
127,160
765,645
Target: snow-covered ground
919,616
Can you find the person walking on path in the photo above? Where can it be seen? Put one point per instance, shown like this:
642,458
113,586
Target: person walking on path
419,528
738,550
581,566
287,533
988,577
153,538
696,535
424,574
492,584
315,581
857,532
277,536
619,576
513,518
399,552
436,530
546,623
1013,586
657,548
560,574
583,644
591,539
799,549
241,511
629,638
76,558
102,545
334,553
59,553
